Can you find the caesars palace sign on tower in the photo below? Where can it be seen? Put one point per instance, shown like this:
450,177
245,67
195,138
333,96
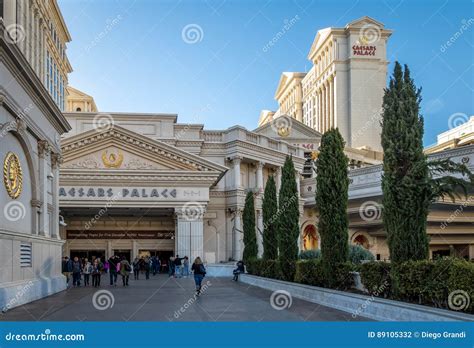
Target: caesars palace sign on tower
80,182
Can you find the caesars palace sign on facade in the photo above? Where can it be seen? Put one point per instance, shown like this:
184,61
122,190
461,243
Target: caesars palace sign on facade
138,184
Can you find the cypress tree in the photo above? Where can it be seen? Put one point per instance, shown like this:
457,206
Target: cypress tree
250,236
332,185
270,220
288,221
409,181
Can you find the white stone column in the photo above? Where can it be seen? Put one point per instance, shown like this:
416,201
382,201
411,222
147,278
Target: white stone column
109,250
55,162
238,235
236,161
190,233
278,180
297,178
323,108
331,103
327,105
260,177
43,154
259,232
134,250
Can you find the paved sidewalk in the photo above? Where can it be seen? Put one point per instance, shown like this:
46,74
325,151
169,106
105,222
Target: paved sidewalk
168,299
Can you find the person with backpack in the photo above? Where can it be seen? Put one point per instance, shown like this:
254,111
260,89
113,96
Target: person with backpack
86,270
185,266
240,269
136,268
125,270
199,273
113,264
178,267
171,266
96,271
67,269
147,265
76,272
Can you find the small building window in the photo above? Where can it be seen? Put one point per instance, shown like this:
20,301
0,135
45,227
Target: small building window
78,109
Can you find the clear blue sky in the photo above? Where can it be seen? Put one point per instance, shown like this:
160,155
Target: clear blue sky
130,54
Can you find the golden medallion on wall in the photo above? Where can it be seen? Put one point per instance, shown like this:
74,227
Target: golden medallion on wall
12,175
112,160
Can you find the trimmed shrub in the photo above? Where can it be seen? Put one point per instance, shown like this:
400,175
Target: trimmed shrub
311,272
375,276
357,254
432,282
264,268
310,254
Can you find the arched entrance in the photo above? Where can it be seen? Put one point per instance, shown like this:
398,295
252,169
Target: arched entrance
310,238
362,241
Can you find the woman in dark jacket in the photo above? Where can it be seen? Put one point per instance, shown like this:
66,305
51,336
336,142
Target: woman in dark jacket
199,273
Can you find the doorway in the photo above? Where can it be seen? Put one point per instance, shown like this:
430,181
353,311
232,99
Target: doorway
127,253
89,254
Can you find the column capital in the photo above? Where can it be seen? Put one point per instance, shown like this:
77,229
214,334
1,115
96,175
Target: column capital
191,211
237,158
260,164
43,148
56,160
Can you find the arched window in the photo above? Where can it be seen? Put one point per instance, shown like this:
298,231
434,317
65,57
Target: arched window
310,238
362,241
78,109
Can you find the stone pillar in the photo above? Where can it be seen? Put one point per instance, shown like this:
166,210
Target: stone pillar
236,161
260,232
278,180
323,108
190,233
297,178
471,251
260,177
43,154
326,105
56,160
320,112
238,235
331,103
109,250
134,250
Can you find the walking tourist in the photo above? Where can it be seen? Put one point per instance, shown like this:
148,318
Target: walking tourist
86,270
125,269
240,269
178,267
171,266
185,266
76,272
147,267
67,269
96,270
199,273
113,264
136,268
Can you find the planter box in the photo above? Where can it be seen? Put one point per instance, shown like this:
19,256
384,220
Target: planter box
358,305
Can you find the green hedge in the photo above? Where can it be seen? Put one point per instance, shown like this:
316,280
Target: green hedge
423,282
376,278
432,282
311,272
264,268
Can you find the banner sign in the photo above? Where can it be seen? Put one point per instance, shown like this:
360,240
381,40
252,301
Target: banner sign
120,235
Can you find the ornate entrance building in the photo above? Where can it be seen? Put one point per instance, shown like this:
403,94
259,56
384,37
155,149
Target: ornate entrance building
123,193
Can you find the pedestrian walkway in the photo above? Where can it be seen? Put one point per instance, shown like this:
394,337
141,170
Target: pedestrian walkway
168,299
